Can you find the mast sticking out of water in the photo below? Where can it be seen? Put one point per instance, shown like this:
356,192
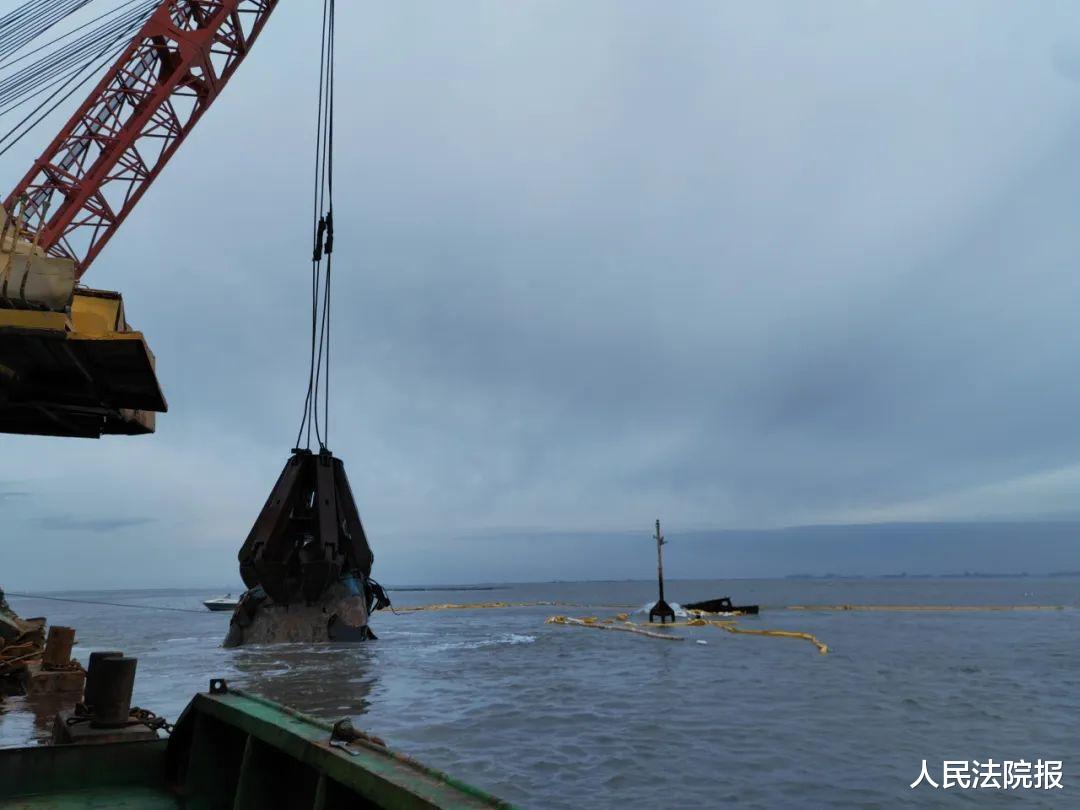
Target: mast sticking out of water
661,608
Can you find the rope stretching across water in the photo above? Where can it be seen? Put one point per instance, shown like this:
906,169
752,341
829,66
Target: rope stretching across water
96,602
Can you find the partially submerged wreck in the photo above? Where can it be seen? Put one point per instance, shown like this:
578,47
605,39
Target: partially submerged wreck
722,605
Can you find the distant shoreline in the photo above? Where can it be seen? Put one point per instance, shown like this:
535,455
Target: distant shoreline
495,586
964,575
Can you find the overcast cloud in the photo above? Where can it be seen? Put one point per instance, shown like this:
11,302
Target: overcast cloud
734,265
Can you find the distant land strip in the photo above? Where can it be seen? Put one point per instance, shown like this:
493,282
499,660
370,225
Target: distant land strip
955,575
926,608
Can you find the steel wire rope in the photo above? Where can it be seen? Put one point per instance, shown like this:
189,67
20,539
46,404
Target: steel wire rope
57,57
316,251
98,602
112,34
328,171
325,222
53,68
13,27
323,244
103,15
26,23
108,54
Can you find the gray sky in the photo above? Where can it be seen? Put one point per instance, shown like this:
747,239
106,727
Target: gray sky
734,265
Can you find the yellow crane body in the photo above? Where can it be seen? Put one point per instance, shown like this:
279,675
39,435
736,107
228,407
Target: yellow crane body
70,364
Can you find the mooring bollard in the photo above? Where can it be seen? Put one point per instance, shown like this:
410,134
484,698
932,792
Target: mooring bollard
92,692
113,684
105,715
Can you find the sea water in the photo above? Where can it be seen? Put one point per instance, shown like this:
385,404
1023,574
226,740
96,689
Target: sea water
551,716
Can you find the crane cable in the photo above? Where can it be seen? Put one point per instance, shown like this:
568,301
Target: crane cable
53,62
67,67
31,19
323,247
45,45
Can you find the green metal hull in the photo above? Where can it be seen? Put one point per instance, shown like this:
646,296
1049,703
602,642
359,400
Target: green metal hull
231,750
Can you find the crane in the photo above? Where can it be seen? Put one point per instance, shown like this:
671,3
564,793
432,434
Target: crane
70,363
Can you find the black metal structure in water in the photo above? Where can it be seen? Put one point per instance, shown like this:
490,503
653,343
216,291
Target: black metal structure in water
661,609
308,534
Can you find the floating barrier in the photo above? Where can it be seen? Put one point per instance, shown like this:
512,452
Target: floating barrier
822,647
620,623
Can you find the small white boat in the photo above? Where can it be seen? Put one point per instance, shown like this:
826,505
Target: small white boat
227,602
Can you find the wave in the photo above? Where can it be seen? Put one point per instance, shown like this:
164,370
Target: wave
475,644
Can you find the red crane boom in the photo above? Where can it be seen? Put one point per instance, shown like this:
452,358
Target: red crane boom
94,172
